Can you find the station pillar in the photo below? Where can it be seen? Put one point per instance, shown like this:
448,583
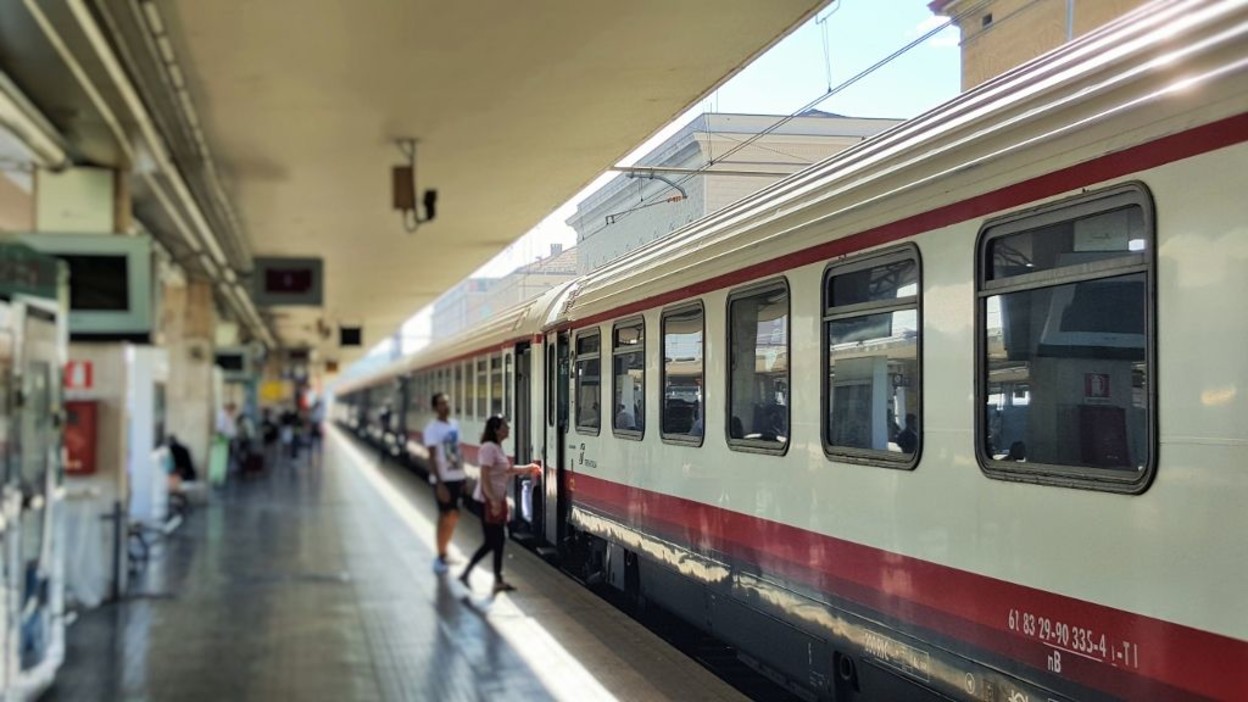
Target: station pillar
17,207
188,323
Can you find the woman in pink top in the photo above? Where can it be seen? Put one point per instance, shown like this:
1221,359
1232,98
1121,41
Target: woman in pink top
496,469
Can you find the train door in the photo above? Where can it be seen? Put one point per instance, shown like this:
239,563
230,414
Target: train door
32,483
555,499
401,401
8,531
522,432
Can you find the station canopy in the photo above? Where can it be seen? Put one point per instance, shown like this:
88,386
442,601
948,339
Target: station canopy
516,106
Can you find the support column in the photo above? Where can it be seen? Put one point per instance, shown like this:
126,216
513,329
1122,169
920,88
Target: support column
188,326
17,204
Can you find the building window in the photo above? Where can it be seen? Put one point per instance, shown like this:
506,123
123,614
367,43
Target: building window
871,325
684,394
628,351
758,366
588,388
1065,332
496,384
985,21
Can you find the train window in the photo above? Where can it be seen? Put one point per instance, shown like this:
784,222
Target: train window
459,397
758,363
550,373
1065,343
587,389
684,400
628,351
496,384
871,328
507,388
482,400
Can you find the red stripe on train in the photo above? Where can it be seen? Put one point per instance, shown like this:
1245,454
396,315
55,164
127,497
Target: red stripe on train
957,603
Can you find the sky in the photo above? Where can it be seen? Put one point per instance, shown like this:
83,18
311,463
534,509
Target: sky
842,40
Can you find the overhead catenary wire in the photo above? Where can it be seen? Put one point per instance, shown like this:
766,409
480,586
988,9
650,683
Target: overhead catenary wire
832,91
827,42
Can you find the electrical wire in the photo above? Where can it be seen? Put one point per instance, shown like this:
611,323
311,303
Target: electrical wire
896,54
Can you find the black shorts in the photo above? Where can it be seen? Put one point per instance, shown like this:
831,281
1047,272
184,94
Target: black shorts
455,488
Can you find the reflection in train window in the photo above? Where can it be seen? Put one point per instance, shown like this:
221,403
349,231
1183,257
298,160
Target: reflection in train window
458,397
871,331
416,396
551,369
1065,314
507,387
479,391
684,400
628,352
587,388
496,384
758,358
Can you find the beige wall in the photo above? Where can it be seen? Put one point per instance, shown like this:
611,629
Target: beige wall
17,207
1021,30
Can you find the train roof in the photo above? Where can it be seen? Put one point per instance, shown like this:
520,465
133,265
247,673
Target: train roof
1135,80
516,323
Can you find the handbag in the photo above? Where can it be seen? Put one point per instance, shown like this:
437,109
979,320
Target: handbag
495,516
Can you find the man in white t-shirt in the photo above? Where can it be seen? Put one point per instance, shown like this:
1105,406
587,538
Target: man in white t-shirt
441,437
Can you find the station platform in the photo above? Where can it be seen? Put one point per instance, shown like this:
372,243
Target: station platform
314,582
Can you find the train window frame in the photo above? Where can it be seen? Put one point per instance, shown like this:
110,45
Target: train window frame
851,264
680,439
547,381
508,392
496,382
632,322
574,380
458,372
766,448
1144,263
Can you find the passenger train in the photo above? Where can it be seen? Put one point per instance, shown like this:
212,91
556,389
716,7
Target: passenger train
959,413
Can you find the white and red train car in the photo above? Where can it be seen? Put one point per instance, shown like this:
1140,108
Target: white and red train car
961,412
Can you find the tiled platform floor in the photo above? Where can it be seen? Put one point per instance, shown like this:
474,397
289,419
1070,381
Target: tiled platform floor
314,583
